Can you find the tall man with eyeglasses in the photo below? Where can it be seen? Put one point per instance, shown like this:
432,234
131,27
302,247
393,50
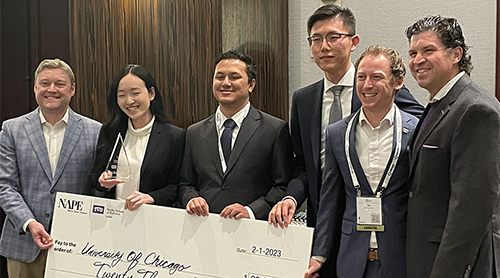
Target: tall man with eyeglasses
332,39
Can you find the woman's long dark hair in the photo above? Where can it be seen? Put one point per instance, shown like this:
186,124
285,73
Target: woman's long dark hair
118,120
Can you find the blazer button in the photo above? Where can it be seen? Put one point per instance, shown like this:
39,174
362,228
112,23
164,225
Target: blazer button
411,194
47,215
224,187
52,191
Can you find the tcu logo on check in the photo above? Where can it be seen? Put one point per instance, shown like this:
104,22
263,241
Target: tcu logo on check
71,204
98,209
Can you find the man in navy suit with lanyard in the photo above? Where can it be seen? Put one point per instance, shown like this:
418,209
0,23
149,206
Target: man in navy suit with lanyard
363,201
332,39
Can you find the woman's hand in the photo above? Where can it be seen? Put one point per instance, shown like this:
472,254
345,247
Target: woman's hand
136,199
107,181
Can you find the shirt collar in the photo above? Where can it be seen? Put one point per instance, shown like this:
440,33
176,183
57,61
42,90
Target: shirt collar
145,130
64,118
446,88
238,118
347,80
389,118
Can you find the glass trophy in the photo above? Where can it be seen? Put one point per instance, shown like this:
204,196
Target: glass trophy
119,154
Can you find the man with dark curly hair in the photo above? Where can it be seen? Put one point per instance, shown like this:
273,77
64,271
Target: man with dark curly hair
453,209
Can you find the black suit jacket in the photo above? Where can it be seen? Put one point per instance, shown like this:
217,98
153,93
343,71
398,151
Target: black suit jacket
305,127
453,209
161,165
258,170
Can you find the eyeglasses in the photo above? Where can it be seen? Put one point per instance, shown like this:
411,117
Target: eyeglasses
332,38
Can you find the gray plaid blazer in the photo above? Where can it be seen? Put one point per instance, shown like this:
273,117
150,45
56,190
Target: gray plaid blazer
27,187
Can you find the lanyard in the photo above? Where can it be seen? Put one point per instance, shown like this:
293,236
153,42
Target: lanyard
399,135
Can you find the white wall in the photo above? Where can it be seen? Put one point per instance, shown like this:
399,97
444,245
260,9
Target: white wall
301,68
384,21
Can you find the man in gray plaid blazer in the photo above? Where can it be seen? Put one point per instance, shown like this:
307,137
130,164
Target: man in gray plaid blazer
48,150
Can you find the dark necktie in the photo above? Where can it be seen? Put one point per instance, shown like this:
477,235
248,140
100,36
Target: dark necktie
226,138
336,108
431,109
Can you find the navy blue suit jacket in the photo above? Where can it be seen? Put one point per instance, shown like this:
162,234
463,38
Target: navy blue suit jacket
336,236
305,128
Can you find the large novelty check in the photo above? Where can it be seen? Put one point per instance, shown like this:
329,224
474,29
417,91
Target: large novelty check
95,237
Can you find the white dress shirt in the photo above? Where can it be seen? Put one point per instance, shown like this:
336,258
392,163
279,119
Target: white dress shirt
446,88
135,144
220,118
54,137
374,147
345,101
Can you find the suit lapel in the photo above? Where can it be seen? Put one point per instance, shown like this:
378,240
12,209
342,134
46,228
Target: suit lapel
248,128
154,140
315,105
405,140
414,145
71,138
210,133
407,134
441,110
34,133
355,102
417,129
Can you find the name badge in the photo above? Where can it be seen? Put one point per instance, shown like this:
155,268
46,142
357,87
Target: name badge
369,214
